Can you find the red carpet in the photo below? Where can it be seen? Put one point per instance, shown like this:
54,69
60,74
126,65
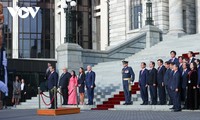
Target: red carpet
116,99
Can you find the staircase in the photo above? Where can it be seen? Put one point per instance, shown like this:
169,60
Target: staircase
110,72
116,99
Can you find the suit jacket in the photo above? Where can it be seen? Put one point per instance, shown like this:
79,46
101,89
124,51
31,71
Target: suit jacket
52,80
176,61
47,73
143,77
193,59
81,79
90,79
176,81
170,78
64,80
184,78
167,76
160,75
198,75
180,69
152,77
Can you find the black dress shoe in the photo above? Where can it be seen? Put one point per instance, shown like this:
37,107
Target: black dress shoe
153,104
125,104
179,110
89,104
50,108
129,103
145,104
142,104
162,103
64,104
171,108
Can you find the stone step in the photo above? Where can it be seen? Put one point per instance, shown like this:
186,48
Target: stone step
142,107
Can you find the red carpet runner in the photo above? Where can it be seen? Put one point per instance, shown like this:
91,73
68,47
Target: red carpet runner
116,99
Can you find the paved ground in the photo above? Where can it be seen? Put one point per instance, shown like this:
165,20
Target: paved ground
102,115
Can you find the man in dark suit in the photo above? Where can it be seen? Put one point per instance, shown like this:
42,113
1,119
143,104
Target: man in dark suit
171,96
48,72
52,82
45,81
160,81
143,75
152,78
175,87
167,79
184,81
173,57
191,57
180,69
63,83
90,84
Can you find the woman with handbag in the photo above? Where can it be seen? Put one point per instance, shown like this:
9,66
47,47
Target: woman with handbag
16,91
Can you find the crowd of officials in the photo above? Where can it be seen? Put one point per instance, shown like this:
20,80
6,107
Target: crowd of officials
69,82
176,81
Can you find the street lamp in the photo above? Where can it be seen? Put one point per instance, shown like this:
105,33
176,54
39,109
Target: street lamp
68,5
149,18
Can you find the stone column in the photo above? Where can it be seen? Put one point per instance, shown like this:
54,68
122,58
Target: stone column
153,35
15,35
198,16
69,55
175,17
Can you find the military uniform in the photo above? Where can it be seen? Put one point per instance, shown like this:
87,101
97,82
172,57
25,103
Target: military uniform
127,76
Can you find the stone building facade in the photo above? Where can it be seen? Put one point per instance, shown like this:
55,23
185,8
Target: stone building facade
127,17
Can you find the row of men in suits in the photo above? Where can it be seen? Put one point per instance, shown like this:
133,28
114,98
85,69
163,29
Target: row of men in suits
170,77
63,82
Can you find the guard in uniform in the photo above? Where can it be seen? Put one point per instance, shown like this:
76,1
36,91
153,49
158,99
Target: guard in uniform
128,76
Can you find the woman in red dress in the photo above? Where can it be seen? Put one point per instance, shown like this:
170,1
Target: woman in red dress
73,83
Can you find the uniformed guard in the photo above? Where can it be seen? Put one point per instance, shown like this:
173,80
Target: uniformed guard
128,77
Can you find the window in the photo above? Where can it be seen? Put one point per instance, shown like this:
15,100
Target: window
135,16
36,35
7,29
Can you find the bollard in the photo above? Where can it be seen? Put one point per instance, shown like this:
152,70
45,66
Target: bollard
39,97
60,96
55,92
